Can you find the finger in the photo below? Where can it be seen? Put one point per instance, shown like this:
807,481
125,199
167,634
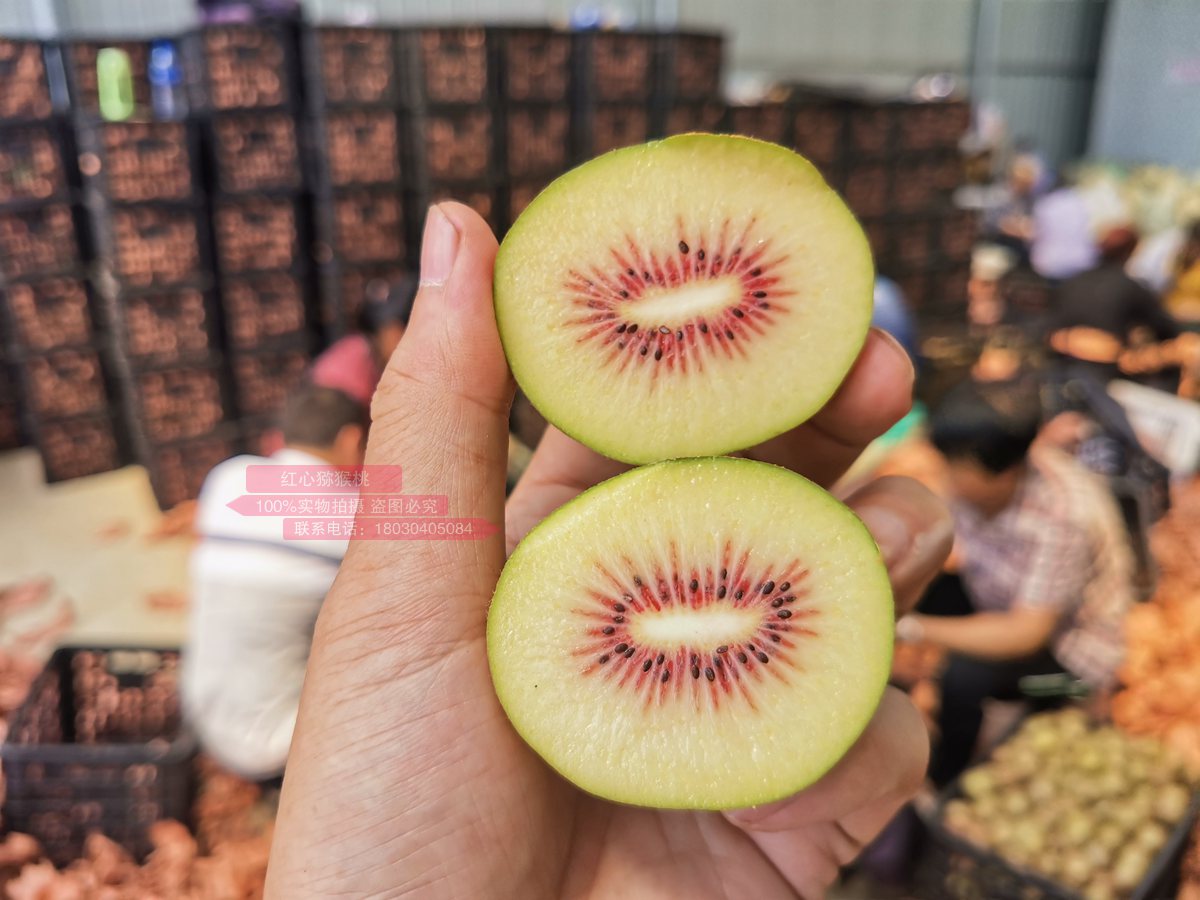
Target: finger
914,531
810,835
561,469
440,414
876,394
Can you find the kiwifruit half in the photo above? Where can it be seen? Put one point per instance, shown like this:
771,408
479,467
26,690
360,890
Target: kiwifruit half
701,634
686,297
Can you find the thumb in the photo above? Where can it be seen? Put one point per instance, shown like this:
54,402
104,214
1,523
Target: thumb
441,415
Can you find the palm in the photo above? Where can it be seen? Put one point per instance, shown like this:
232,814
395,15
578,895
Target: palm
406,779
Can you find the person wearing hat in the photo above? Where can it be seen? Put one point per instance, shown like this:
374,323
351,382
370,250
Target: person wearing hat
354,364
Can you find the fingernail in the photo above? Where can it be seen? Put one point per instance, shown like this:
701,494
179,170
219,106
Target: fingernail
891,532
439,247
897,348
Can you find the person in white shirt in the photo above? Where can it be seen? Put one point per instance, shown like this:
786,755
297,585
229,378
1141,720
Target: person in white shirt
255,596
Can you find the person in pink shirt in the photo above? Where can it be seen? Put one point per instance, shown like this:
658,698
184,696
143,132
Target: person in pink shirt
355,363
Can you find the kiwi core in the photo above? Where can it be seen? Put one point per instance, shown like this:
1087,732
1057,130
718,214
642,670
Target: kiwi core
709,627
687,301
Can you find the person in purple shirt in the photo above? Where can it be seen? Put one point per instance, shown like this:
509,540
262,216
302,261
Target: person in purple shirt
1063,244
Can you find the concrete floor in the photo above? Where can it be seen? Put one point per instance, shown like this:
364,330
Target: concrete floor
90,535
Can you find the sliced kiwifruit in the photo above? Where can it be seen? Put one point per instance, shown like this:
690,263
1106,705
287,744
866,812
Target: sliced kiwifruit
686,297
701,634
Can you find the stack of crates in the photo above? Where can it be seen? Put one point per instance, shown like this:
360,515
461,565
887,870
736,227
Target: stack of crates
354,101
250,99
451,121
614,90
154,278
688,84
533,74
57,375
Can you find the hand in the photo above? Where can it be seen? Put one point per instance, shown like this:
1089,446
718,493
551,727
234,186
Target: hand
405,778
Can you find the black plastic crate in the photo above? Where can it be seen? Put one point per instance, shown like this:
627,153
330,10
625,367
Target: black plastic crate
484,197
12,433
765,121
99,745
47,313
176,403
80,60
178,469
615,66
533,64
519,194
914,185
163,327
32,162
63,383
931,126
361,225
912,243
359,145
867,189
957,232
257,232
138,161
245,66
35,240
879,236
818,131
451,65
261,436
24,87
870,130
344,288
690,66
155,244
264,379
265,309
255,151
451,144
948,290
681,118
610,126
917,286
537,140
78,447
348,66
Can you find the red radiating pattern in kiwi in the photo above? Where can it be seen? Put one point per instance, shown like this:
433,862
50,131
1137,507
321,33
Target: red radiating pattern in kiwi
605,299
722,672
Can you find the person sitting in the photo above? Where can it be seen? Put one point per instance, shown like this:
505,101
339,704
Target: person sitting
355,363
255,596
1045,569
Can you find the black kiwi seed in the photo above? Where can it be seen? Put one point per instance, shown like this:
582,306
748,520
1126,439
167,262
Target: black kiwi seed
633,328
619,607
709,673
721,593
695,671
630,272
604,659
771,626
729,334
784,614
775,638
717,661
768,587
791,598
637,579
724,648
683,247
620,345
618,619
700,253
625,294
695,585
764,305
620,648
659,661
663,329
783,587
644,350
742,657
762,657
666,675
739,595
679,335
738,314
703,328
760,294
724,574
755,272
628,597
621,328
777,602
608,629
658,353
629,653
647,664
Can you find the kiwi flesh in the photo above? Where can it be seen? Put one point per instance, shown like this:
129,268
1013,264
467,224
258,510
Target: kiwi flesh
701,634
687,297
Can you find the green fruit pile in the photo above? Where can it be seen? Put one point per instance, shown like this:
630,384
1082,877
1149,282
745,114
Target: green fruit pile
1087,807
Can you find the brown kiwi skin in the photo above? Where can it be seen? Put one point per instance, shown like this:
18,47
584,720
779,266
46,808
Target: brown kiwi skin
852,736
600,443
